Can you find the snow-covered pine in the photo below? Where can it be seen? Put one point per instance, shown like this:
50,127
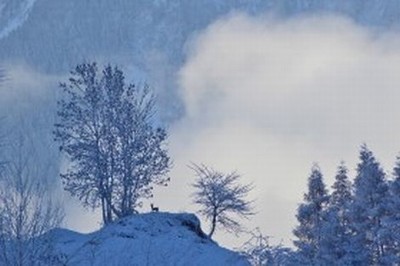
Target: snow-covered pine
368,243
310,216
391,223
335,225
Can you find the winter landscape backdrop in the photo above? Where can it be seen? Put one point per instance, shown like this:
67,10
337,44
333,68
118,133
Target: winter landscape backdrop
264,88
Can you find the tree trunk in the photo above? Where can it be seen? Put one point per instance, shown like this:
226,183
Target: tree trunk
103,210
213,224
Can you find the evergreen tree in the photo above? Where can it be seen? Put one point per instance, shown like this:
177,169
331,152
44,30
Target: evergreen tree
310,216
391,224
336,231
341,194
368,244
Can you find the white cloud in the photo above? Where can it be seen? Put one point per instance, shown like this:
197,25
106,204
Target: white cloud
268,98
24,87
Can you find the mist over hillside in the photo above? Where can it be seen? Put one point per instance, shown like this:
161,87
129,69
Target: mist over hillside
40,41
58,34
52,36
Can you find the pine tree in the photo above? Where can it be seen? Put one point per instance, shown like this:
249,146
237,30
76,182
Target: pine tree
391,223
368,244
310,216
336,233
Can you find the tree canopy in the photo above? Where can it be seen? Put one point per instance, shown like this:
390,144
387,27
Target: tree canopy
106,131
221,198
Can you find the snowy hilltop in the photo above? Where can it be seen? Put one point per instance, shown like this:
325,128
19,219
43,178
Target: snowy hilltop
145,239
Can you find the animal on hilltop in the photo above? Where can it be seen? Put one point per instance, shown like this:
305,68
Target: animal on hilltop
153,208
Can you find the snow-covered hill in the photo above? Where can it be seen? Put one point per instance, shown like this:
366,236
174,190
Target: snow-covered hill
145,239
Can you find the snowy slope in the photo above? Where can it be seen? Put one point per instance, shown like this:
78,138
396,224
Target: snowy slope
146,239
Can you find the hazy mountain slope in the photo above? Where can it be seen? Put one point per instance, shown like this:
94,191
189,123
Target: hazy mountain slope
61,33
146,239
150,35
13,14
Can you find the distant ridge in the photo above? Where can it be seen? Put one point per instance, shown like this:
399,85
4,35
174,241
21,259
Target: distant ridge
13,14
57,34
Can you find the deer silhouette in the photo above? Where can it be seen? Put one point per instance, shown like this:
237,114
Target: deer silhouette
154,209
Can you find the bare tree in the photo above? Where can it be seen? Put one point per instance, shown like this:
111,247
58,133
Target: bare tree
221,198
260,252
27,210
257,249
106,131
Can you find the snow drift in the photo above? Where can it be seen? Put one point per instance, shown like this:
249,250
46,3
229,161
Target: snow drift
145,239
